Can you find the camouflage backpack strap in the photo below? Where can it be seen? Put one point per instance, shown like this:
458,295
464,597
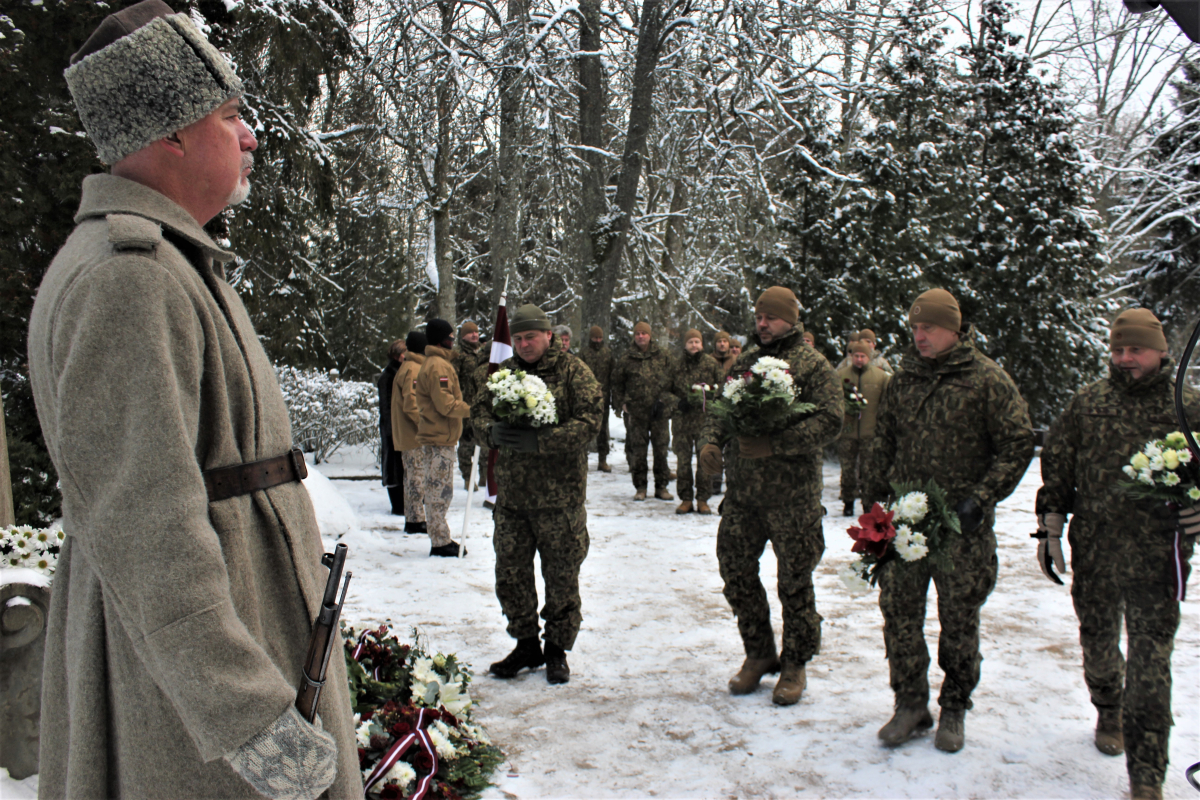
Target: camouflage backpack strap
131,232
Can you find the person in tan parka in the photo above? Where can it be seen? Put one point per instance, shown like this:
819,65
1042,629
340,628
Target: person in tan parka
405,419
182,601
442,408
859,426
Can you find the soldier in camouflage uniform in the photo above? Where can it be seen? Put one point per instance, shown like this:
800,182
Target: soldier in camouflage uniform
467,357
774,494
641,384
600,360
859,428
542,476
954,416
722,353
1124,552
694,367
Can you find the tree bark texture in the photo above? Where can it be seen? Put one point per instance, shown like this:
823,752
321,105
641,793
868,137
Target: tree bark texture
510,167
593,205
446,100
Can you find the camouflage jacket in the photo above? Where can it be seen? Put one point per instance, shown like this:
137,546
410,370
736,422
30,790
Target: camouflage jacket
556,475
1103,426
792,474
600,362
467,358
690,370
640,378
959,420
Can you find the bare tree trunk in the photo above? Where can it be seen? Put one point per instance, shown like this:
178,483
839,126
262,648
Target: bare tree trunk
445,100
510,167
593,205
673,248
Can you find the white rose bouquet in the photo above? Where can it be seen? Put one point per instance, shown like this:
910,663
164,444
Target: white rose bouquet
1162,470
760,401
521,400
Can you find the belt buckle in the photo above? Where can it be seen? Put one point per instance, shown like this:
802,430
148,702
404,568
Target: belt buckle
301,468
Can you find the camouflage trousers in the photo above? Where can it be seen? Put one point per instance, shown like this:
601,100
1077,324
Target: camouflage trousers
559,537
602,437
798,541
903,588
641,431
852,453
414,484
1112,579
687,446
466,451
439,491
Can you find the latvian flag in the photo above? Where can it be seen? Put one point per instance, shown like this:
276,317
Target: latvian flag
501,350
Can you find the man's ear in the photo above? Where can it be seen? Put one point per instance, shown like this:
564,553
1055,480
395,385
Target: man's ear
172,143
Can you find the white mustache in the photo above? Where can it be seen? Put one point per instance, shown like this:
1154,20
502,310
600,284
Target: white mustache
247,160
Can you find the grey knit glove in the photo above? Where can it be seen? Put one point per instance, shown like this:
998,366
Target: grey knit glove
289,760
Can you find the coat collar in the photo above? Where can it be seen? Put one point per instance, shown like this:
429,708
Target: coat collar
1120,379
958,358
416,358
105,194
788,340
440,352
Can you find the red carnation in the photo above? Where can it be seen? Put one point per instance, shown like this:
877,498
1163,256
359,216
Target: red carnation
401,729
876,531
423,763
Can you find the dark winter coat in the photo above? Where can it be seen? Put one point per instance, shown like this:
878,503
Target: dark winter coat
389,461
958,420
177,626
556,475
871,381
641,378
791,476
600,361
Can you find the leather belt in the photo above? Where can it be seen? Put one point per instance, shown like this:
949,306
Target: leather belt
225,482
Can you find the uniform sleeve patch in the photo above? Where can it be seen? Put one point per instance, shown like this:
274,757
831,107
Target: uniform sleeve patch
444,381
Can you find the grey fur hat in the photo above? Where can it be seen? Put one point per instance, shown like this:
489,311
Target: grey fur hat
145,73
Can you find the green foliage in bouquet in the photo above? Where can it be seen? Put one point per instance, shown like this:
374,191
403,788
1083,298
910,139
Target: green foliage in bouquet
856,402
760,401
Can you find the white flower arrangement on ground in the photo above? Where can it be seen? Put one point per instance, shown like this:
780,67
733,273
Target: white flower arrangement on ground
761,400
521,399
1162,470
30,548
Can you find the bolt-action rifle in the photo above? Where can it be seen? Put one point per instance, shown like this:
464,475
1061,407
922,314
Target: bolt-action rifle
324,636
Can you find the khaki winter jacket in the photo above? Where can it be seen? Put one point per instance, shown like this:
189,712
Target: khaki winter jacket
439,400
405,414
871,381
177,626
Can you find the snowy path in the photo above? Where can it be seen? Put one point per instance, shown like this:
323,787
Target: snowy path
647,713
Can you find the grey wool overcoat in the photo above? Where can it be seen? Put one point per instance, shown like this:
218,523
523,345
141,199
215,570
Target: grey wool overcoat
177,626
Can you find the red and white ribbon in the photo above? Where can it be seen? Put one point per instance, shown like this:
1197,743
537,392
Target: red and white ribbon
420,737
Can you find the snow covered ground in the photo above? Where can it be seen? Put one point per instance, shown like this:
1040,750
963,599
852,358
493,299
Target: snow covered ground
647,713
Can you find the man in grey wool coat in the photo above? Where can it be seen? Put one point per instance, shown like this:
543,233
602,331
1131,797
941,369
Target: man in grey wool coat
190,574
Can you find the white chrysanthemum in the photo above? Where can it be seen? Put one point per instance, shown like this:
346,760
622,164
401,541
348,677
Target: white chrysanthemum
1130,471
1170,479
363,734
1152,449
1146,477
444,747
910,545
1140,461
912,507
851,576
1156,463
768,363
733,389
401,773
1184,455
1194,493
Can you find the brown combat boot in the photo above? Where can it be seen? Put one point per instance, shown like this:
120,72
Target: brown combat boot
702,508
662,494
906,723
951,732
684,508
603,466
1144,791
1110,740
640,495
790,685
746,681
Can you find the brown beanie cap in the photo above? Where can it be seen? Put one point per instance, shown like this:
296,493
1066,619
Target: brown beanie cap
779,301
860,347
468,327
595,331
867,335
1137,327
936,307
692,333
642,327
722,335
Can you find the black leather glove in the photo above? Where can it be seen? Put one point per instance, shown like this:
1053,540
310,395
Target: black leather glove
656,410
684,405
523,440
970,514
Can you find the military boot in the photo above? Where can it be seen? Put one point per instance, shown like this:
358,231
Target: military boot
557,670
906,723
1110,740
848,509
415,527
746,681
639,495
527,654
951,732
702,508
1144,791
684,508
603,466
790,685
662,494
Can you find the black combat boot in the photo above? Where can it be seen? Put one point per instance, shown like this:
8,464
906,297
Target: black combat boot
448,550
557,670
527,654
848,509
415,527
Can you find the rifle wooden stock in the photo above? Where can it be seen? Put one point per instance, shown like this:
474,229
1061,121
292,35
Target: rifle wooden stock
324,636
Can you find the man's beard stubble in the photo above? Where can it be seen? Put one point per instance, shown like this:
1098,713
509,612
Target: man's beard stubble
242,191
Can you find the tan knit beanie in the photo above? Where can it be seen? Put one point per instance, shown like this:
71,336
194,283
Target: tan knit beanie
867,335
779,301
722,336
468,327
595,331
860,347
692,333
936,307
642,327
1137,327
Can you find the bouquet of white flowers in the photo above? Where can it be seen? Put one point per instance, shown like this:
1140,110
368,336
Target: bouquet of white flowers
760,401
919,524
31,548
1162,471
520,399
856,401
